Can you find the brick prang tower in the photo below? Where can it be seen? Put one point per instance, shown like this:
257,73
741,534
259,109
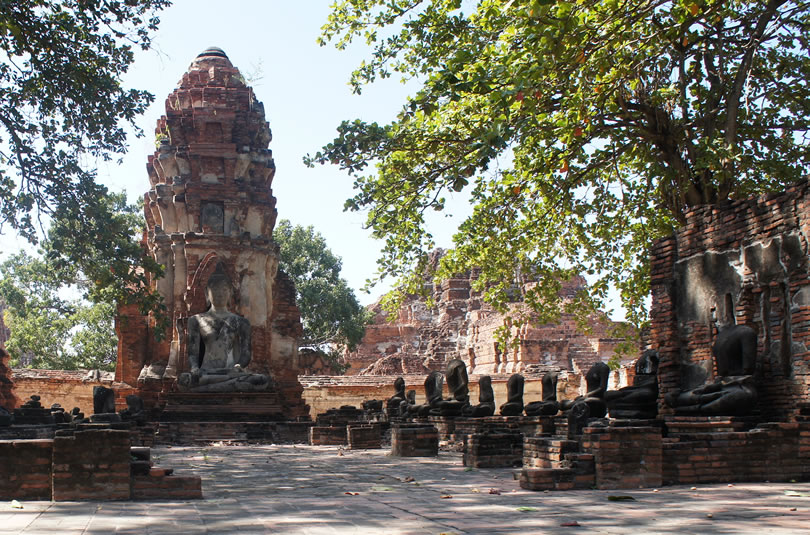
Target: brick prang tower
211,203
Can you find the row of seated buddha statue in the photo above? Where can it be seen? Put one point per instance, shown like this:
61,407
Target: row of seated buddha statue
731,393
636,401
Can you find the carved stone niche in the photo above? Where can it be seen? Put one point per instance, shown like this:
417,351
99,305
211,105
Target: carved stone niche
212,217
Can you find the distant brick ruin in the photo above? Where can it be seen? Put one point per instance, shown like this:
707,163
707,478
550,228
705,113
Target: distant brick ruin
463,326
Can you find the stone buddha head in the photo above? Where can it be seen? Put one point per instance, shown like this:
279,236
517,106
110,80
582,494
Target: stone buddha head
218,291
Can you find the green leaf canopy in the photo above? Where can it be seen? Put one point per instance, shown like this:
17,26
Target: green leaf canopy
582,130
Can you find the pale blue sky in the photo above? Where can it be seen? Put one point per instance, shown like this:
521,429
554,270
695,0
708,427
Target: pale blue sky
305,94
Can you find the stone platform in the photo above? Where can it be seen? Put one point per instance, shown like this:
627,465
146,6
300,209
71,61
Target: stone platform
223,431
222,407
91,464
284,489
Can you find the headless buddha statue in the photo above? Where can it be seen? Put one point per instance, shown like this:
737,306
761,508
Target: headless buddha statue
486,400
458,385
219,348
596,381
733,392
514,396
639,400
549,406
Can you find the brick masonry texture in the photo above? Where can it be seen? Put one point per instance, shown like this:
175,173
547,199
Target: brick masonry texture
752,254
488,450
625,457
710,452
328,436
91,465
364,437
69,388
25,469
206,432
462,325
414,440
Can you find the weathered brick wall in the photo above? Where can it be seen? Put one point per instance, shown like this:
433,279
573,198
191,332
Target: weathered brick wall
414,440
328,436
625,457
364,437
753,254
490,450
69,388
25,469
203,432
770,452
91,465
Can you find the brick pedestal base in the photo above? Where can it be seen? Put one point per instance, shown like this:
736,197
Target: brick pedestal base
328,436
364,437
490,450
414,440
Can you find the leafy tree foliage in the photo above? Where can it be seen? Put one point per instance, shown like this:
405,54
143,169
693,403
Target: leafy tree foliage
49,330
62,107
59,311
582,130
333,319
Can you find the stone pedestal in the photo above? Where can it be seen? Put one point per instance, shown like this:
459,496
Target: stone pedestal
491,450
327,435
91,465
709,450
625,457
364,437
414,440
222,407
25,469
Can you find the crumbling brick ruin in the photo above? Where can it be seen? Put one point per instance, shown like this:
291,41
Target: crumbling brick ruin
462,325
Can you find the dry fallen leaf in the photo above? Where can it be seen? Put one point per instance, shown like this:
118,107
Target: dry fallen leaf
352,493
572,524
408,479
494,491
446,496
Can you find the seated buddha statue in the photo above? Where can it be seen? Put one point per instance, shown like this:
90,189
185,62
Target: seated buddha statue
219,349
